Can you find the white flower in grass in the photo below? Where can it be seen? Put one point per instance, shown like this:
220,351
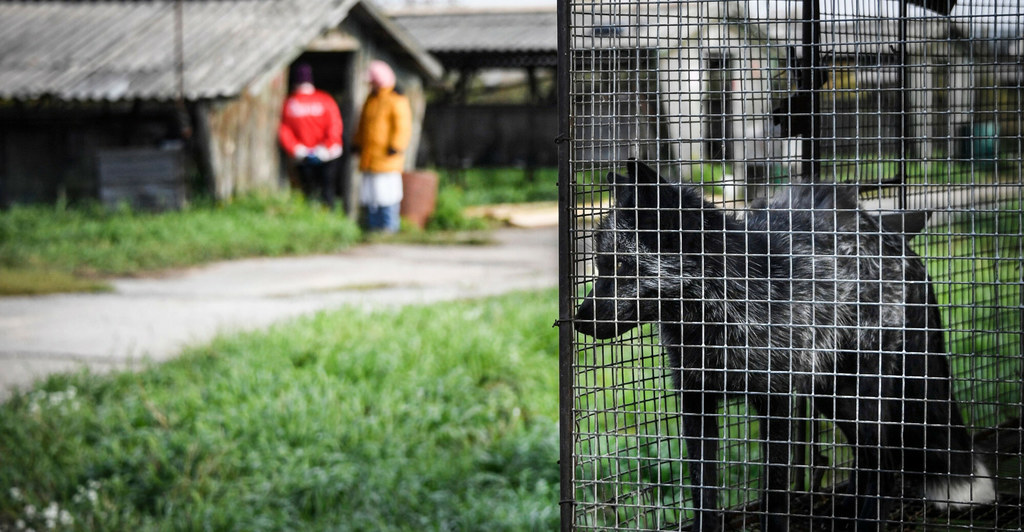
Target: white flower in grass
51,515
64,398
16,494
89,492
64,518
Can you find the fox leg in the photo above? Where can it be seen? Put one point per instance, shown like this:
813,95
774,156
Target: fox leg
700,432
776,429
858,413
857,418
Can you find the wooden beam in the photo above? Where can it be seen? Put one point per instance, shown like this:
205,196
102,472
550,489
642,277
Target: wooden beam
334,40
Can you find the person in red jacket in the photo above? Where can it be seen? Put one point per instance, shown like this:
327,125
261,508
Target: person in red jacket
310,133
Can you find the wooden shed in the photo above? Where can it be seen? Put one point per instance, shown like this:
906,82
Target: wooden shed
92,90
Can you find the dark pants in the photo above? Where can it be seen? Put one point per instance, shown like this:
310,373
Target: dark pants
319,180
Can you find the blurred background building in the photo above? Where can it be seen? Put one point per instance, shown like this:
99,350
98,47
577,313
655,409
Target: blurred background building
137,101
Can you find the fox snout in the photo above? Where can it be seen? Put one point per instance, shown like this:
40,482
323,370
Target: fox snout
598,317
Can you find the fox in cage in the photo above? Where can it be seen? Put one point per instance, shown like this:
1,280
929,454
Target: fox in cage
805,296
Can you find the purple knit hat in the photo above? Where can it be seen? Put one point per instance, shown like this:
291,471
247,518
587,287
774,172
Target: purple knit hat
303,73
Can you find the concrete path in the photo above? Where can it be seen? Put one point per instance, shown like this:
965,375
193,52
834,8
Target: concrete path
155,318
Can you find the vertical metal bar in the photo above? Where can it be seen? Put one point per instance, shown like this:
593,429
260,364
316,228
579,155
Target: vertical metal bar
905,128
565,288
1020,266
811,81
807,91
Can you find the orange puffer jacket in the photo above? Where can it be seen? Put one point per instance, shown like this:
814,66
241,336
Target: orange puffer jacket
386,123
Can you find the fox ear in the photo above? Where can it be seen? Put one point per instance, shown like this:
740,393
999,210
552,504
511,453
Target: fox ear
648,192
618,179
625,189
640,187
642,174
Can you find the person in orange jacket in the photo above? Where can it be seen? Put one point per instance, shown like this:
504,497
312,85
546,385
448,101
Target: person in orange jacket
381,140
310,133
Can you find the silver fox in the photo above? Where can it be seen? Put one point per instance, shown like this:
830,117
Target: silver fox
806,297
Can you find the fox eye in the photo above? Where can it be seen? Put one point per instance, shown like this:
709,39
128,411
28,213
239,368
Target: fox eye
619,264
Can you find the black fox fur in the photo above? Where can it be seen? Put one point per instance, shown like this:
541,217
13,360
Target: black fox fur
807,296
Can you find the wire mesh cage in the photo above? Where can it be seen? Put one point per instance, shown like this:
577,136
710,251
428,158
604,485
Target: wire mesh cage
792,241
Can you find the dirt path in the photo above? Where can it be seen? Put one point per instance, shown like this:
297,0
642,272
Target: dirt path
153,319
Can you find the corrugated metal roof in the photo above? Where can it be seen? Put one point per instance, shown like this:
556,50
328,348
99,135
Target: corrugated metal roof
126,50
484,31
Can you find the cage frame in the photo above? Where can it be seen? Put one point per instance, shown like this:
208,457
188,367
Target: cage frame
569,231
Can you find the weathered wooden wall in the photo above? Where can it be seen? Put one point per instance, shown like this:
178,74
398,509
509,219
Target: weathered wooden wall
458,136
240,137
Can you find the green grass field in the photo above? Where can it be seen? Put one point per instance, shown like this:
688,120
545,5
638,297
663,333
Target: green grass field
439,417
47,249
485,186
53,243
975,266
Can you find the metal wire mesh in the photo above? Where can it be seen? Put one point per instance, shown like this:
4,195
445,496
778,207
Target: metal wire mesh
793,242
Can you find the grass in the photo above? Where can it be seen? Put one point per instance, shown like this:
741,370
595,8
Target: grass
934,172
439,417
487,186
122,242
974,264
938,170
46,248
35,282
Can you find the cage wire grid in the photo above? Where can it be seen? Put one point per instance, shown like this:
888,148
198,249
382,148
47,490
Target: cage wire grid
792,240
